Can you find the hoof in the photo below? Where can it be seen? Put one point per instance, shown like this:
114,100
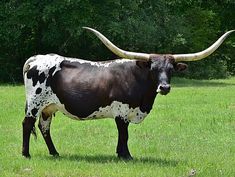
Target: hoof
125,157
26,155
55,154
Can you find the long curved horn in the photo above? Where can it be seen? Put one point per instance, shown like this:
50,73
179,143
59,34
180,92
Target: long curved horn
204,53
119,52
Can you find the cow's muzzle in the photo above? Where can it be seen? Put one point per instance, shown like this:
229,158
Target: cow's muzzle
163,89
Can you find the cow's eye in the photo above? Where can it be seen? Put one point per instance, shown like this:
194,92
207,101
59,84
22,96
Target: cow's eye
170,68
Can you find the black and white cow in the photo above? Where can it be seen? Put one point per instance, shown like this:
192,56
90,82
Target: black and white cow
122,89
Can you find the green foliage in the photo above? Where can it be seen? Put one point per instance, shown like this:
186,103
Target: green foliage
31,27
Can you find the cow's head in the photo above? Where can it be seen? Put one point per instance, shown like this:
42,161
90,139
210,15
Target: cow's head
162,66
161,69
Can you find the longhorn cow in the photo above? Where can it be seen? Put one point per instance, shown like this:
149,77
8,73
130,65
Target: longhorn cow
123,89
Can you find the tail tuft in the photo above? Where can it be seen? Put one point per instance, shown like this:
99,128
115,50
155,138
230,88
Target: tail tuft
34,133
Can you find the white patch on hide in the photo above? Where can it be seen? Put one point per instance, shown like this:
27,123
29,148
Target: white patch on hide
132,115
98,63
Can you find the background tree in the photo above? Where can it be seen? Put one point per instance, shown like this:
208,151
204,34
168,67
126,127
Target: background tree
31,27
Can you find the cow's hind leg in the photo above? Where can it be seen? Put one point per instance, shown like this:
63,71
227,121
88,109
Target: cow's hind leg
28,127
122,146
44,126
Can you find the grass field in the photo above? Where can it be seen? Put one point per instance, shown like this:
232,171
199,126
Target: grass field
192,128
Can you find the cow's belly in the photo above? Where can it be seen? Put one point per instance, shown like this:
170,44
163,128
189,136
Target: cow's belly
132,115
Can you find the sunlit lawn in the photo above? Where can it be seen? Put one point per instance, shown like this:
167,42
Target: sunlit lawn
192,128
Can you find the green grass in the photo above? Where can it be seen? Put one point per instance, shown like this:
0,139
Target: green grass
191,128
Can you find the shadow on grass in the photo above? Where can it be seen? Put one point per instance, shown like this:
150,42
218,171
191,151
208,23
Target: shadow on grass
114,159
181,82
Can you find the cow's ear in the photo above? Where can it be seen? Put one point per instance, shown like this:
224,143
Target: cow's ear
180,66
143,64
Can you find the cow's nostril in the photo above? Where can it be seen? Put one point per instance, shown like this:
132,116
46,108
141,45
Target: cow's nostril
165,88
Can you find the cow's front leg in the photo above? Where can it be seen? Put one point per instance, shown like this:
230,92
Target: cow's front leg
122,147
28,127
44,126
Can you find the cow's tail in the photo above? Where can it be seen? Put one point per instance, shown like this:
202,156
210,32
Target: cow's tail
26,68
33,130
34,133
27,65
